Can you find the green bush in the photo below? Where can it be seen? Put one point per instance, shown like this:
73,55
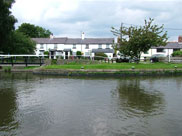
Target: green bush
78,53
53,61
100,56
46,53
7,69
177,54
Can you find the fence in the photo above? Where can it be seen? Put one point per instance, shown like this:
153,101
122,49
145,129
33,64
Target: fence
22,60
28,60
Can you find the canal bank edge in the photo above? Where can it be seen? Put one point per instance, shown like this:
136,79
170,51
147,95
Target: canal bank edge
108,72
100,72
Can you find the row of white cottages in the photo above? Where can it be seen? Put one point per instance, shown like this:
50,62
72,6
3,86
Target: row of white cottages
89,46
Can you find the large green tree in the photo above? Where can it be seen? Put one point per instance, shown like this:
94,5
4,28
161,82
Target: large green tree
20,44
34,31
11,41
134,40
7,21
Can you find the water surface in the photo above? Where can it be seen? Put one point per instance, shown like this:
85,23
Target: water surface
42,106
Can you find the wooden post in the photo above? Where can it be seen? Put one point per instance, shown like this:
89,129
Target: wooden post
12,61
40,61
26,63
2,59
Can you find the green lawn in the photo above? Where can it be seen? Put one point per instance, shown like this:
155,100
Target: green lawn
116,66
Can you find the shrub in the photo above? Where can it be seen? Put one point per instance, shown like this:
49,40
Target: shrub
78,54
7,69
177,54
100,56
46,53
53,61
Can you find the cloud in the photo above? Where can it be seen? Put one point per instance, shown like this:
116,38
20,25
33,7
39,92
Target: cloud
96,17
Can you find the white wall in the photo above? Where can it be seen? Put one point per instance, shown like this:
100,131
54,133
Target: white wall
79,47
151,52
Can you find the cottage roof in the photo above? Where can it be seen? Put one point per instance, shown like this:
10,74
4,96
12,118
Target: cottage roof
65,40
50,41
170,45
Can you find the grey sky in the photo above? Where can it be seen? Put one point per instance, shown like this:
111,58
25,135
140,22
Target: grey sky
96,17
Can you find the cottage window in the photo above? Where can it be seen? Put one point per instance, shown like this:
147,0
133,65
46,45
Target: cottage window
55,46
100,46
160,50
74,53
87,46
74,46
87,53
41,46
107,46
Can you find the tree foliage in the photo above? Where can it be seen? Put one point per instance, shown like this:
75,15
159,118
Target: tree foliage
134,40
7,21
11,41
33,31
20,44
177,54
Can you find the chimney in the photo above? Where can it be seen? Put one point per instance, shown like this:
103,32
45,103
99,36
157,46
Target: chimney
83,36
180,39
51,36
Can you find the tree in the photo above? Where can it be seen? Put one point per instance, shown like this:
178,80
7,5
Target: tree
33,31
11,41
20,44
134,40
7,21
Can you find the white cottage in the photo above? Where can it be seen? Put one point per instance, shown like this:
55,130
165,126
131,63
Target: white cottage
165,50
65,46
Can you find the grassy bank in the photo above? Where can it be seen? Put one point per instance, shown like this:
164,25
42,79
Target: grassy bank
117,66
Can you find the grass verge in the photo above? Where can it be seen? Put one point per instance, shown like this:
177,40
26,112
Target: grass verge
117,66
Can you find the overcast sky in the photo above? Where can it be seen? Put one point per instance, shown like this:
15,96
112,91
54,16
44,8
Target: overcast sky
96,17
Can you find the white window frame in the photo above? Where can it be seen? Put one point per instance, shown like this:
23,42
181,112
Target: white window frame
160,51
87,46
74,46
87,53
55,46
107,46
41,46
100,46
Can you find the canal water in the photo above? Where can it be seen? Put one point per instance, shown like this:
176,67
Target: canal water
33,105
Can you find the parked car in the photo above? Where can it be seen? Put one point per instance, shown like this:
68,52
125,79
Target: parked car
156,57
123,59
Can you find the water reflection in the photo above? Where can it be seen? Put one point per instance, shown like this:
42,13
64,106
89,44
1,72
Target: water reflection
133,98
40,105
8,109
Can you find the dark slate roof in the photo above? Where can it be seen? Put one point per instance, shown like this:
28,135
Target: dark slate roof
50,41
170,45
65,40
103,50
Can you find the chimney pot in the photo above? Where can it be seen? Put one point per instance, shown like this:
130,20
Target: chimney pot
180,39
83,36
51,36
